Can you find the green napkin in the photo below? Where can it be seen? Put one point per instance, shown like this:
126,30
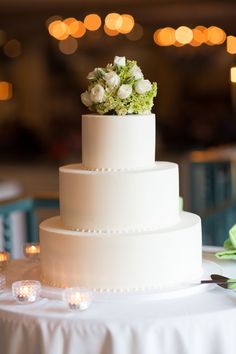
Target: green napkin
231,285
229,245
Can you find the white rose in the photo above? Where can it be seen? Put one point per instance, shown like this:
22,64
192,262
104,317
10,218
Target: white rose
136,72
92,74
142,86
120,61
96,73
97,93
124,91
86,99
112,79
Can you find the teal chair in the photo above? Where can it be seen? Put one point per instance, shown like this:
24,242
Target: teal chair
29,206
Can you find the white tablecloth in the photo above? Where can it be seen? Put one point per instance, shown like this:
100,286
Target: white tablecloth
202,323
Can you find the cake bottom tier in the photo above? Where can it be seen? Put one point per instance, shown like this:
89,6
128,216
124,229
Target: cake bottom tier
121,262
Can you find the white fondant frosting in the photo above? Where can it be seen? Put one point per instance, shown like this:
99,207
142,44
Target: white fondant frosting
124,200
118,142
126,207
122,262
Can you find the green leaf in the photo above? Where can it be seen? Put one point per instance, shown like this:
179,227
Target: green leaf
232,235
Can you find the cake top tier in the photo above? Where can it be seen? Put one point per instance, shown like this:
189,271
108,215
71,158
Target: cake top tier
115,142
120,89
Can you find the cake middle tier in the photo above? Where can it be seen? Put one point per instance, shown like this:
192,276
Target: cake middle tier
119,201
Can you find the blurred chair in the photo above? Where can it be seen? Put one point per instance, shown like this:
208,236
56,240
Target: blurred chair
29,206
12,188
212,175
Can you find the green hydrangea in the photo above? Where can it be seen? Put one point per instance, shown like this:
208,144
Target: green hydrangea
120,89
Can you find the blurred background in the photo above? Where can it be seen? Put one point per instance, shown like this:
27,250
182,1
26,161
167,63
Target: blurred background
47,49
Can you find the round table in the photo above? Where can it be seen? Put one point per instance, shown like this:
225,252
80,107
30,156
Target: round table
201,323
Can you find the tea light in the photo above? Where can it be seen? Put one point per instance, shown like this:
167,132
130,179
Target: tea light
4,259
2,282
32,251
77,298
26,290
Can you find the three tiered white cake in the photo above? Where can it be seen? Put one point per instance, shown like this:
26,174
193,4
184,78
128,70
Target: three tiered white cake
120,227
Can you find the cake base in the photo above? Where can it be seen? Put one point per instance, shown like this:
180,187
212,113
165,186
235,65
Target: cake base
121,262
32,271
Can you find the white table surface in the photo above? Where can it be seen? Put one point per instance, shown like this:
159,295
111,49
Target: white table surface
201,323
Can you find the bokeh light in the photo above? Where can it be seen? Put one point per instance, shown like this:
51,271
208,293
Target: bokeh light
5,91
136,33
127,24
77,29
113,21
231,45
68,46
183,35
92,22
198,38
233,74
68,21
216,35
58,29
164,36
156,35
12,48
110,32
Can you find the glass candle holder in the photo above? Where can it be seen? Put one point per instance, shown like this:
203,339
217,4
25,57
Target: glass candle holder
77,298
25,291
4,260
32,251
2,282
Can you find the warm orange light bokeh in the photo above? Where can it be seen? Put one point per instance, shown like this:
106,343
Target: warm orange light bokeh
231,45
183,35
216,35
77,29
92,22
58,29
164,36
69,20
110,32
204,32
127,24
113,21
198,38
5,91
233,74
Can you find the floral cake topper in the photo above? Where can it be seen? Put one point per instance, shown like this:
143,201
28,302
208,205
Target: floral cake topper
119,88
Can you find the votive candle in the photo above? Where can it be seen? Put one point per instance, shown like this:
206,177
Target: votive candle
32,251
77,298
25,291
4,259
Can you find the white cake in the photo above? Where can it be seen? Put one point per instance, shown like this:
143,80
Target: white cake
120,228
